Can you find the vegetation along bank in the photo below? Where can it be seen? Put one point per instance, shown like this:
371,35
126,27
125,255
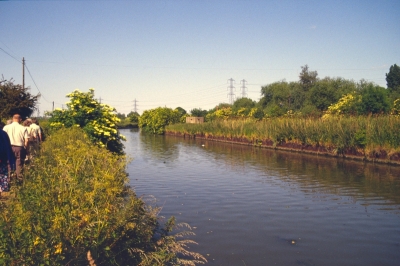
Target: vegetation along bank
370,138
74,205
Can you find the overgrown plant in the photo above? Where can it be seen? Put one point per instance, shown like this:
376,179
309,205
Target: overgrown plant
99,121
368,134
155,120
74,202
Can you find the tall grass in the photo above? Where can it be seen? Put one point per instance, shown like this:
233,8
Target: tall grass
75,201
369,134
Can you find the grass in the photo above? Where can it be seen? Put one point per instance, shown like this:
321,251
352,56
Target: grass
368,134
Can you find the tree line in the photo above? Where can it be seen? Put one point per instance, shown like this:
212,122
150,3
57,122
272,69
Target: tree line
310,96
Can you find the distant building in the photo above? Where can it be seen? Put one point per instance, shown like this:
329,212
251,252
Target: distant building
194,120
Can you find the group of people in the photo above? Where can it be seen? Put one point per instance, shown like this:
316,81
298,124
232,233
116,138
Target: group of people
18,143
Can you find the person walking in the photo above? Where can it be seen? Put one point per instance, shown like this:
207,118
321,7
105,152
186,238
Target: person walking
32,137
7,160
38,131
19,139
35,141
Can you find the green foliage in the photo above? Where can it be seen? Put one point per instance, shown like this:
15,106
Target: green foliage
155,120
396,108
74,200
121,116
181,111
374,100
198,112
133,117
348,104
99,121
243,103
310,111
336,133
16,100
274,111
277,94
328,91
307,78
221,113
256,113
393,78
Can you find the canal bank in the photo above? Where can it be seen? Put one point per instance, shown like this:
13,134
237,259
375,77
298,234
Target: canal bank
380,156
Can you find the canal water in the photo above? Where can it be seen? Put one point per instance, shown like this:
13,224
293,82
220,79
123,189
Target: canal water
254,206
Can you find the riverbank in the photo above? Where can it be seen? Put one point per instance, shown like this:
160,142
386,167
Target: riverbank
378,157
75,201
373,139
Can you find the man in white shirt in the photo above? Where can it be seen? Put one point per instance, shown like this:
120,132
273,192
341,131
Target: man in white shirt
19,138
37,131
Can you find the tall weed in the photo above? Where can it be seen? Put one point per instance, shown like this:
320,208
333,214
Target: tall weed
74,201
368,133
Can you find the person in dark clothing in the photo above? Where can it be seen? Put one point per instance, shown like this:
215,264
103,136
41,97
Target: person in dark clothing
7,159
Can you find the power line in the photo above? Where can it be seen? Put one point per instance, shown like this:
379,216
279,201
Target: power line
19,61
35,83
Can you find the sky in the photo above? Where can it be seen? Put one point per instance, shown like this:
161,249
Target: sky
147,54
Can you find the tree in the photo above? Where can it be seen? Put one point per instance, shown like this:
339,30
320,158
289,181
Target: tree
181,111
133,117
121,116
393,78
374,100
16,100
99,121
243,103
328,91
198,112
307,77
155,120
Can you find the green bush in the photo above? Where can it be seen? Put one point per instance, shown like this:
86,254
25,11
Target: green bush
155,120
99,121
74,207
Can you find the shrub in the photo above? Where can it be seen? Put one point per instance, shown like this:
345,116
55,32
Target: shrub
155,120
99,121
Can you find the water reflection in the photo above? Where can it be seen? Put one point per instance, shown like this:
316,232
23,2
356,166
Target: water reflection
312,173
164,150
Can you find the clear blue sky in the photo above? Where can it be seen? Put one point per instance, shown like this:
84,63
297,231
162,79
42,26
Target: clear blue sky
182,53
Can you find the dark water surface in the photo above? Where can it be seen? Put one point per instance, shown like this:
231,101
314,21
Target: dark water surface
252,206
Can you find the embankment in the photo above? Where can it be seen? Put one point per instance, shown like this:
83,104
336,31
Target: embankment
377,156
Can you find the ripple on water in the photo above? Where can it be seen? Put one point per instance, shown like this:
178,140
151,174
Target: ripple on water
247,206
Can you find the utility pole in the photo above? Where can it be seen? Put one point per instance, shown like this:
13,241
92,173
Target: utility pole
53,107
100,99
244,94
231,95
23,72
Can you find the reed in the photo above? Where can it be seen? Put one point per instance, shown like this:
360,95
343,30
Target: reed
369,134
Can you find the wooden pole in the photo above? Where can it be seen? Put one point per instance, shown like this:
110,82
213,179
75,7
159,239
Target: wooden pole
23,72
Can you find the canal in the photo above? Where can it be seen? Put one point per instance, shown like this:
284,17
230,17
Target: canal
254,206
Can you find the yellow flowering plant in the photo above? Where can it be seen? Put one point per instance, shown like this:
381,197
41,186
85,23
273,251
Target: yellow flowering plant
348,104
396,108
97,120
